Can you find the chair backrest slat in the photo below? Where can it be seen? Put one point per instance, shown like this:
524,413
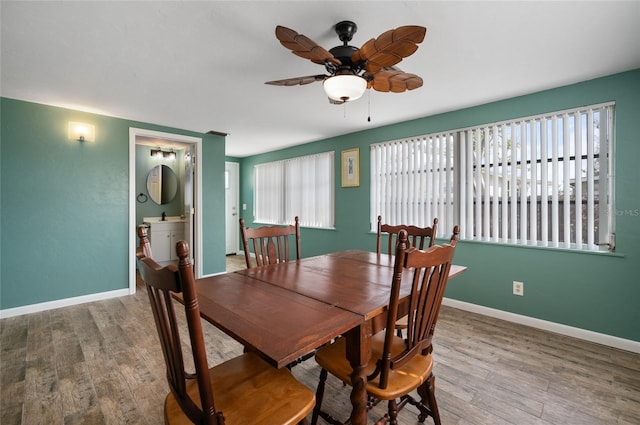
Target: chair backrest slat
270,244
162,284
419,237
428,271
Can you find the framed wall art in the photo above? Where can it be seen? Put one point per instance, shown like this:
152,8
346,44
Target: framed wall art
351,167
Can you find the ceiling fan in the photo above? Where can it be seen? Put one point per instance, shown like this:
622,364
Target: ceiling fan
352,70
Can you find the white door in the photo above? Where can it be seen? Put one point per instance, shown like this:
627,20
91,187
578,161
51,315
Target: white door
231,177
189,190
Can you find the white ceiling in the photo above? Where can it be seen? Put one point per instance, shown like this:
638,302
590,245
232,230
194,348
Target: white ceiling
202,65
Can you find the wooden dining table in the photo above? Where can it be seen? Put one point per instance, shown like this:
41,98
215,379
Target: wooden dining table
286,310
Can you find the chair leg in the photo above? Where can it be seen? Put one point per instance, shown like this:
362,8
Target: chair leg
393,411
399,333
319,396
383,420
428,397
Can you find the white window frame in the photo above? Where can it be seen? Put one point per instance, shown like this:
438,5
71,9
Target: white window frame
554,223
302,186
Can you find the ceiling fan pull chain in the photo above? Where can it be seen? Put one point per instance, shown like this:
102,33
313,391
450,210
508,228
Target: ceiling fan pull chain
369,106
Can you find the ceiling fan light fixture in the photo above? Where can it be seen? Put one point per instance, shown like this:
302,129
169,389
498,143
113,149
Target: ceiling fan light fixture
345,87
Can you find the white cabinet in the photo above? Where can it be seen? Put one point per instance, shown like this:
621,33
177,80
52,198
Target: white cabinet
163,236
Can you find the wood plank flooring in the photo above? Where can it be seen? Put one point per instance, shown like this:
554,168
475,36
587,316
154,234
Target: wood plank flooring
100,363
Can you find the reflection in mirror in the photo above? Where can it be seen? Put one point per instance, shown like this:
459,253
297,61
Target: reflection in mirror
162,184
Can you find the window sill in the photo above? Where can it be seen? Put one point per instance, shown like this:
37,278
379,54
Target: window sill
547,248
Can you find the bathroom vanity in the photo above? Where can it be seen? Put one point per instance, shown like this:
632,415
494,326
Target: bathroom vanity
163,236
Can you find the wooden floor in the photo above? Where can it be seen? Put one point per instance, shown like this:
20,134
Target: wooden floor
100,363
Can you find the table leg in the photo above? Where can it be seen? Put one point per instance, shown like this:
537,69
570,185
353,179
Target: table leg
359,353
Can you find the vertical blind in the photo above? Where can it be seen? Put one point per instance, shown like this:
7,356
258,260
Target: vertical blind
543,180
412,182
302,186
268,192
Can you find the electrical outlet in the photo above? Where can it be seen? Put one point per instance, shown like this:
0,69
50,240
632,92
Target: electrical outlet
518,288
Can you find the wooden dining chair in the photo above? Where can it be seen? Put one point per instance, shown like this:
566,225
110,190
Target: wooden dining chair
270,244
455,235
243,390
420,237
399,366
144,249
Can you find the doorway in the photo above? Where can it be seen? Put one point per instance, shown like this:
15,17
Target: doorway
232,198
192,186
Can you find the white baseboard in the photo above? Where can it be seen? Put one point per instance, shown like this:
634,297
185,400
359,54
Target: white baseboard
50,305
211,274
598,338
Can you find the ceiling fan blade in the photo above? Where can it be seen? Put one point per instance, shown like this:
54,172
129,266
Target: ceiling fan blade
304,47
395,81
298,81
390,47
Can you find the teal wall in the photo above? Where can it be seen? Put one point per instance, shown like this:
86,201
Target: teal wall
213,205
64,206
597,292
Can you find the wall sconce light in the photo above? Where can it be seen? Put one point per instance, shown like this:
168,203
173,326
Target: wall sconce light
156,153
81,132
160,154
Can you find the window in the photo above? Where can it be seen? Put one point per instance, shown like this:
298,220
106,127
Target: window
302,186
412,181
545,180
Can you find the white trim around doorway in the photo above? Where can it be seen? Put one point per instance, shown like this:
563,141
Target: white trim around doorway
133,133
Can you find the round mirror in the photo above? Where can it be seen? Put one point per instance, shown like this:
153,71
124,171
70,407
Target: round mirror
162,184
